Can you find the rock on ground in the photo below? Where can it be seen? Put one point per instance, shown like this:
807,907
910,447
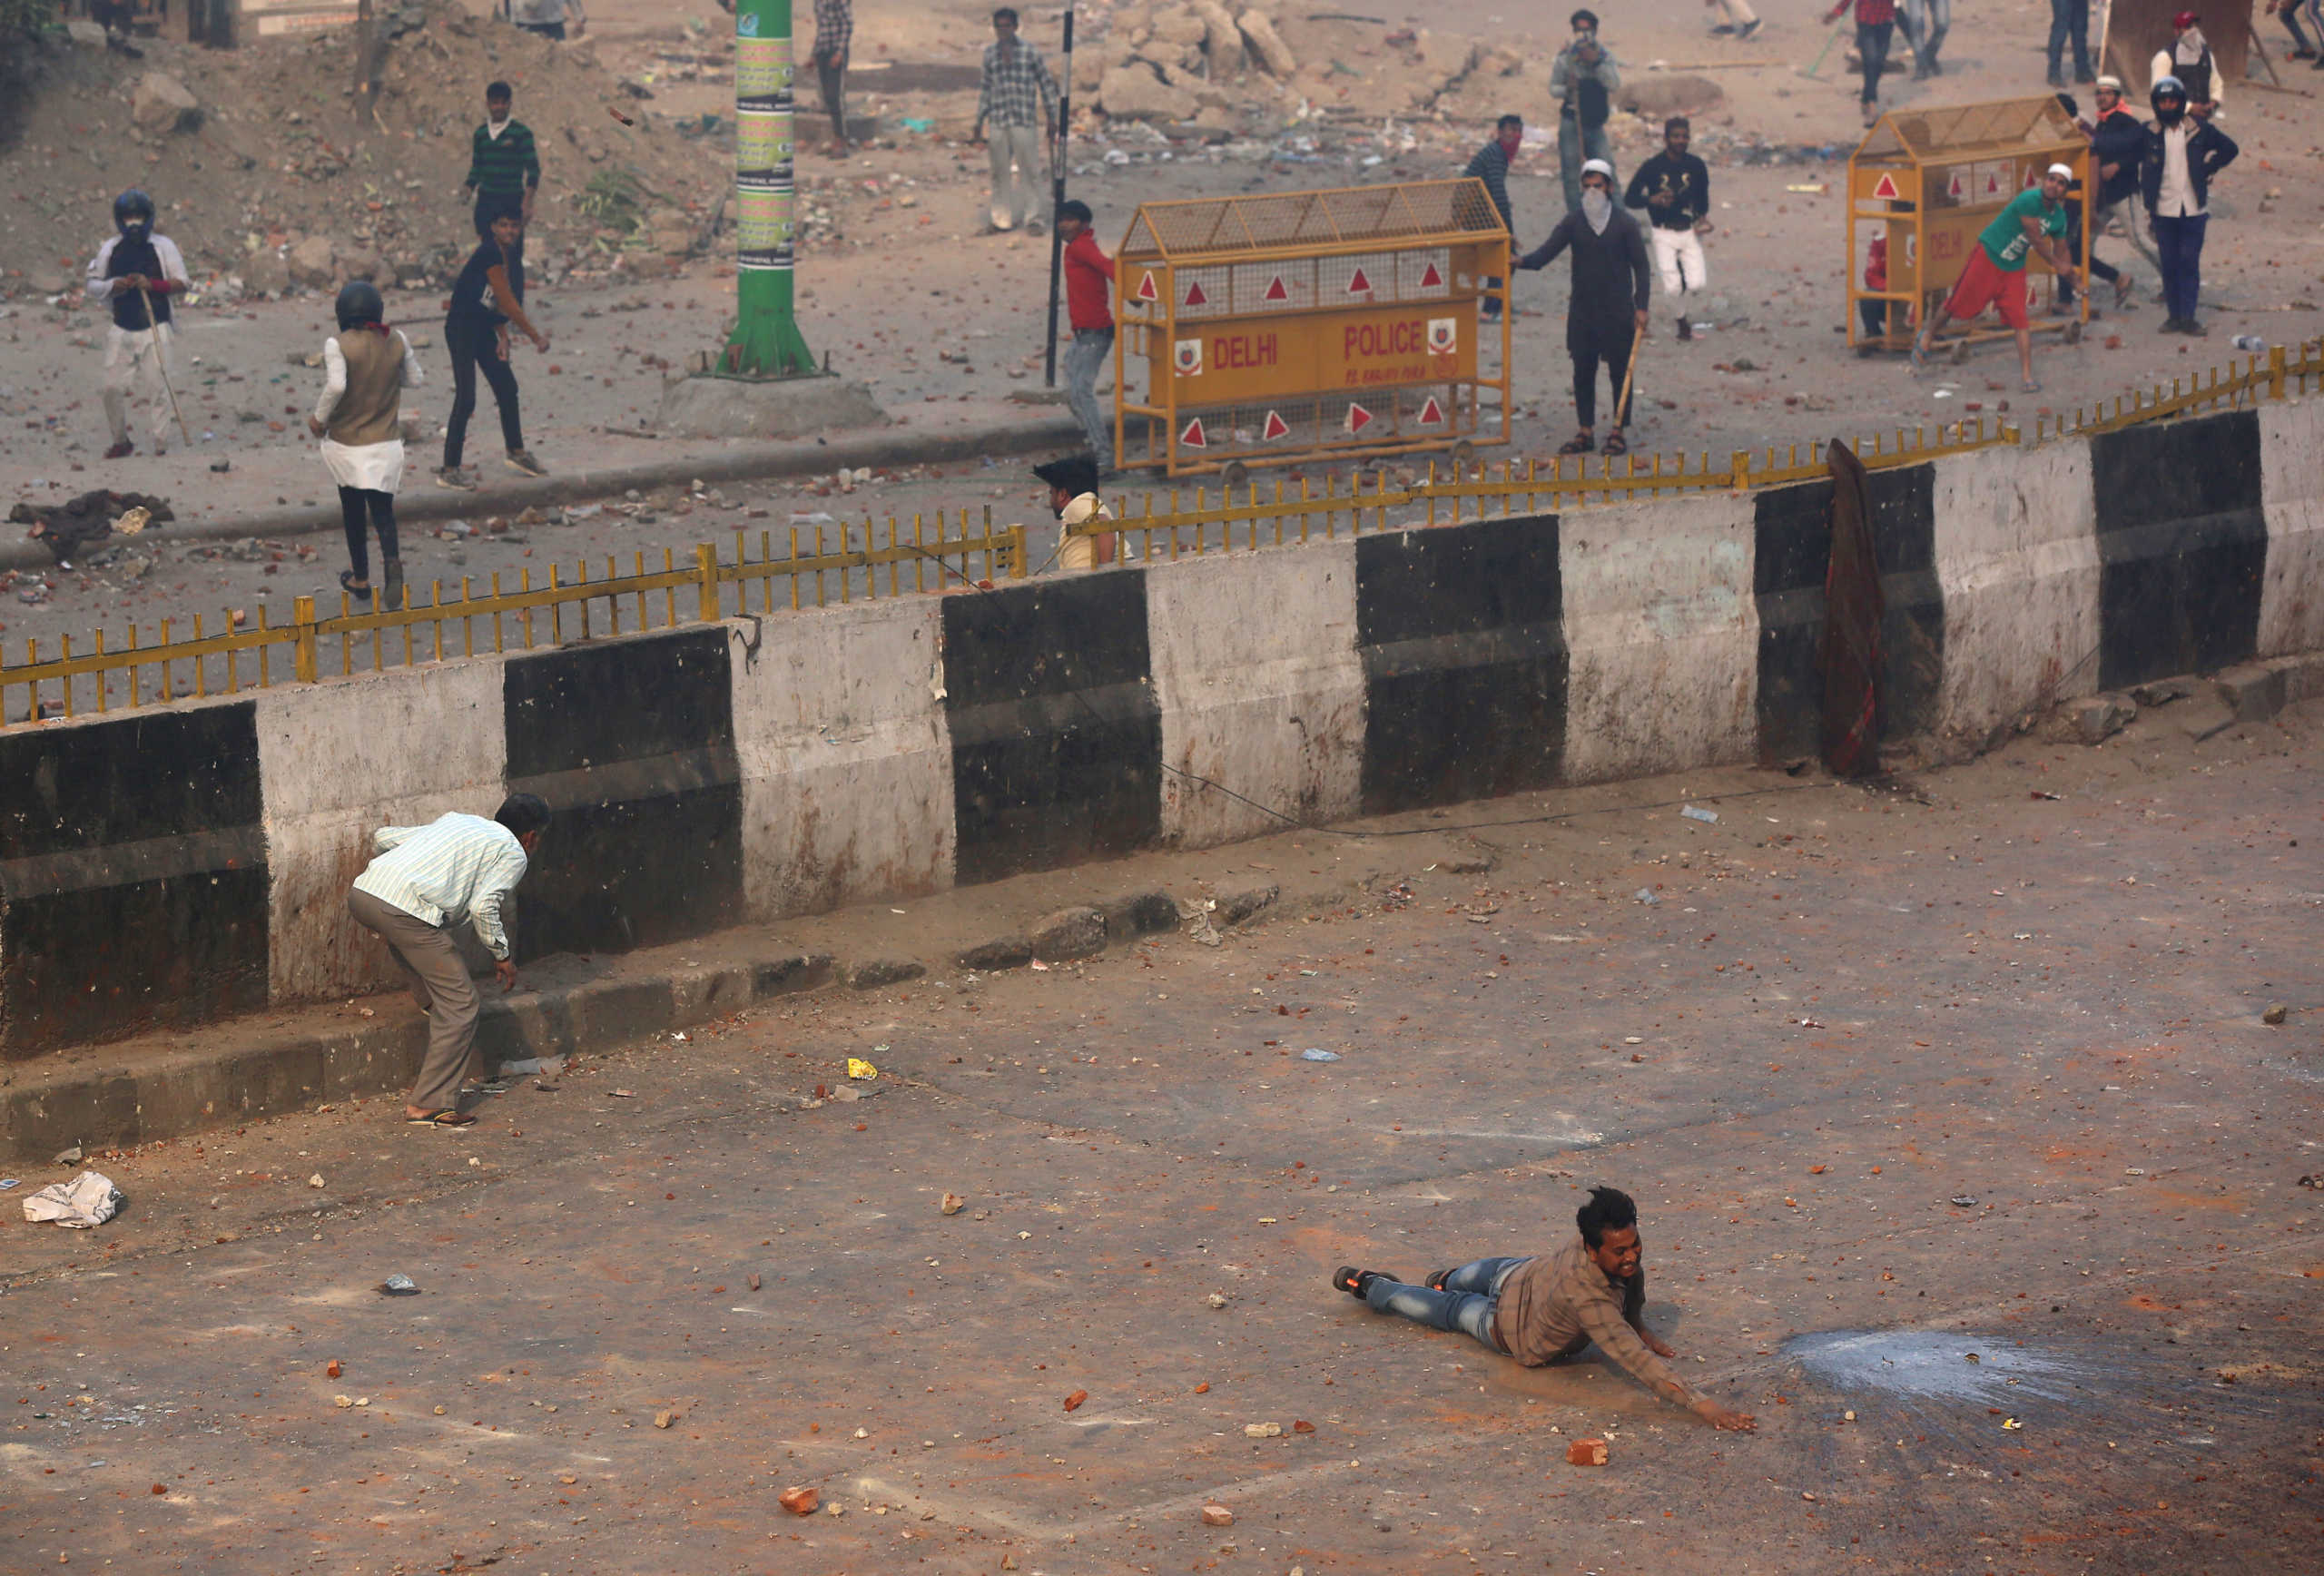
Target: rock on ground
160,102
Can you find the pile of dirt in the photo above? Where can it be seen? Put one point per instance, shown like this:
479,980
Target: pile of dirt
271,178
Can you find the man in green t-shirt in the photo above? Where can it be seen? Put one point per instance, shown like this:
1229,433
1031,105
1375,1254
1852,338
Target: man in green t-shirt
2032,221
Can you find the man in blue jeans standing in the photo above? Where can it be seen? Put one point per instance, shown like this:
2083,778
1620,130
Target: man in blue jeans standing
1545,1309
2184,151
2070,19
1583,79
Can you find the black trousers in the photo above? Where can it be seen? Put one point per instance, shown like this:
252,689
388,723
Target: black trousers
2098,266
355,505
1615,352
833,78
1872,40
475,349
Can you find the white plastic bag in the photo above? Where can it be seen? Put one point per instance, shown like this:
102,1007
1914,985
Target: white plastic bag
88,1200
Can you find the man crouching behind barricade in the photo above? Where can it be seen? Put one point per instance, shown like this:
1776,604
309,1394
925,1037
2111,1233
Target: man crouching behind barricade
1073,498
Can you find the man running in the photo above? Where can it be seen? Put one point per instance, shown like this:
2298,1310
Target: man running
1674,188
1606,311
136,272
2032,221
1544,1310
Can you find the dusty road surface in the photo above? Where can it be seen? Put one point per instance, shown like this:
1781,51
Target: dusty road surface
1969,1165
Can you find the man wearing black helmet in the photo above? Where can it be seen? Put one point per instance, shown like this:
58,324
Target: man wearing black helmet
1547,1308
135,272
2182,154
366,365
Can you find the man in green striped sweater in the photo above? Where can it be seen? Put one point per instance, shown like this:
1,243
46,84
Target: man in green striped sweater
504,169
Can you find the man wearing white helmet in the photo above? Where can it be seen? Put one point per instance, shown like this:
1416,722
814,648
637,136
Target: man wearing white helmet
2032,221
2182,154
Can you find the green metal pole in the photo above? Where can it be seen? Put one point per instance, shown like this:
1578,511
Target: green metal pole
766,343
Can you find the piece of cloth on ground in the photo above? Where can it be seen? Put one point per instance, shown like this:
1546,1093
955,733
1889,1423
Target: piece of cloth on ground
88,1201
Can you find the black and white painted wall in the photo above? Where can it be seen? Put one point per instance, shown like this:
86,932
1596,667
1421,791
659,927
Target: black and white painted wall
178,864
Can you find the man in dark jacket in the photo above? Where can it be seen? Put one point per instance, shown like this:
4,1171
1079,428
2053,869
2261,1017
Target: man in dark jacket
1491,166
2118,148
2182,154
1607,311
1674,188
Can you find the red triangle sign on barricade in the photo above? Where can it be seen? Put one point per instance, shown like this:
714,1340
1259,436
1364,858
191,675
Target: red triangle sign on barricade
1432,414
1146,290
1359,284
1358,419
1276,291
1886,186
1993,185
1277,427
1957,187
1432,280
1195,297
1192,437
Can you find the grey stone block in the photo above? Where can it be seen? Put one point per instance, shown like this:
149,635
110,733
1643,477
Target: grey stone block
1235,907
1075,932
2254,691
1004,952
878,971
1144,914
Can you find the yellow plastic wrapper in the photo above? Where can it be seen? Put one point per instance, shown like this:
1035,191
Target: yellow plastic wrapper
859,1068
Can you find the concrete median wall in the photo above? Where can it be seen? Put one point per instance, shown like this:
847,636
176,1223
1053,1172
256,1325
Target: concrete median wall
179,863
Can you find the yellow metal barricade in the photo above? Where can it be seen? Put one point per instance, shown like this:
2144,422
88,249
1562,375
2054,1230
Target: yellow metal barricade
1930,180
1307,324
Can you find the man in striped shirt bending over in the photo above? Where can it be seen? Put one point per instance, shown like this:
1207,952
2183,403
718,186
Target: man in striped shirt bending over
425,880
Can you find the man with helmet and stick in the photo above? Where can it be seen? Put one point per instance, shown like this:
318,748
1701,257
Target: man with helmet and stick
2184,151
366,365
136,272
1606,314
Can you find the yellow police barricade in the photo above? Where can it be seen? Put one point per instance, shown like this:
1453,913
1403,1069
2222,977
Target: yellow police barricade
1311,324
1930,180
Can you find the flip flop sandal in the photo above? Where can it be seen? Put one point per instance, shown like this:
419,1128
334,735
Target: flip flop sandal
1350,1279
441,1119
1577,444
1616,443
347,584
1436,1281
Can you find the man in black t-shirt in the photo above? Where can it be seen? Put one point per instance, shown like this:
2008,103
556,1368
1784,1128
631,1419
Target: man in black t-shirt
1674,188
487,297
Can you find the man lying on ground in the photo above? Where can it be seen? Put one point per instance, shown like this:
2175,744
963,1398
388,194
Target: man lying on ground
1545,1309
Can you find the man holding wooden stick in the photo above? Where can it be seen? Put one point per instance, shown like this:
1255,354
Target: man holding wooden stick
136,272
1606,314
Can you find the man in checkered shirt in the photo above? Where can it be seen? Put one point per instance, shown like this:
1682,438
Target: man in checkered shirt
834,29
1016,108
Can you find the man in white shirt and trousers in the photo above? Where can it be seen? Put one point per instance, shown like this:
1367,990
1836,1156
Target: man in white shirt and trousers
425,880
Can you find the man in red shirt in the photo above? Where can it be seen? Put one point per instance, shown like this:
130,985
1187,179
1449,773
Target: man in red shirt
1876,26
1088,278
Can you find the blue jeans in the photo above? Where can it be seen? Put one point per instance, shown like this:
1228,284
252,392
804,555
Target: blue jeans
1926,21
2069,18
1575,143
2178,247
1466,1303
1082,359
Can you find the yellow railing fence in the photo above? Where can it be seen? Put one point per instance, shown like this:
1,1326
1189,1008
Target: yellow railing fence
818,562
824,562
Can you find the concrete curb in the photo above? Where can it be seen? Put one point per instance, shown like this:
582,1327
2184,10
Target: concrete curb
182,1091
189,1091
885,449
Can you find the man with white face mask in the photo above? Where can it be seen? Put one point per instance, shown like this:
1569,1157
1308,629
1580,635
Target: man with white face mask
1607,311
